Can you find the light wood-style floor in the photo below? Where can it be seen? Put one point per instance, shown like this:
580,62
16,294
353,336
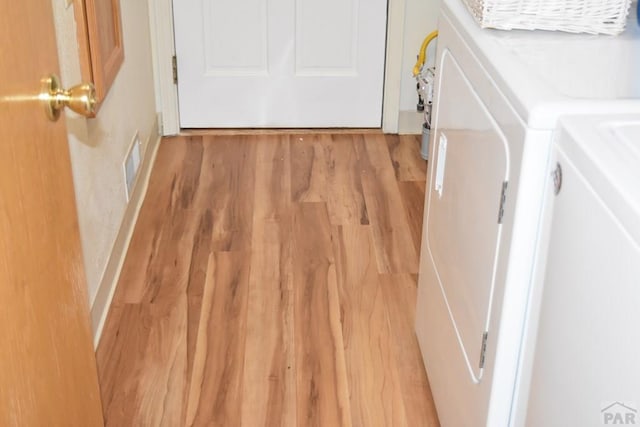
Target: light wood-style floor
271,281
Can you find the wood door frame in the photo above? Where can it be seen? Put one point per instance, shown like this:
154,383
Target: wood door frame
163,50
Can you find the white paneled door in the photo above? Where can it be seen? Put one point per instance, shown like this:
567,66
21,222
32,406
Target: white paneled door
280,63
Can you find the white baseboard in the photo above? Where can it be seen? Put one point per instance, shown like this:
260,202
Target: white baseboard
410,123
107,287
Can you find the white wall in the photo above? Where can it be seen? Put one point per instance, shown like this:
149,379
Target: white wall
421,17
98,146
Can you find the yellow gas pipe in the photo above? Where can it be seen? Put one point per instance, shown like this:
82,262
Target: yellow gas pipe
423,52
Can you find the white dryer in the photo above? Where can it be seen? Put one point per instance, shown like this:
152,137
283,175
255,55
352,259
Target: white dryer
498,99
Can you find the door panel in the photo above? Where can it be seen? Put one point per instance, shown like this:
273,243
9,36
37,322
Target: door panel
232,49
280,63
463,233
47,365
335,52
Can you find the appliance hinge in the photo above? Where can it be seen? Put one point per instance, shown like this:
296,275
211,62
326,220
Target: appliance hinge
174,66
503,199
483,349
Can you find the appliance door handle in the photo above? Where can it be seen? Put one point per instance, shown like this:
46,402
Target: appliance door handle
440,165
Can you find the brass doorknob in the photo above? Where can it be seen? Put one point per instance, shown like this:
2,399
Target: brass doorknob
80,98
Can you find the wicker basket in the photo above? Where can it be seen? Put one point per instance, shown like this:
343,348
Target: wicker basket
574,16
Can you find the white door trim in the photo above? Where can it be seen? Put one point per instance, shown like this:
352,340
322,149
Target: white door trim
163,49
393,66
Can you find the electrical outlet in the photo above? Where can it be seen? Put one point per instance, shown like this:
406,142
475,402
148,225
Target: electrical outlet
132,164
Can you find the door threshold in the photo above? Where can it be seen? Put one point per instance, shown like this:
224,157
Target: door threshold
280,131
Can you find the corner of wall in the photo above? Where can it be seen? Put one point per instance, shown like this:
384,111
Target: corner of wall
421,17
109,281
410,123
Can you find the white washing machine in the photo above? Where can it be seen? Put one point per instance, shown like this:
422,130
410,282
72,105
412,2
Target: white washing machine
498,98
580,361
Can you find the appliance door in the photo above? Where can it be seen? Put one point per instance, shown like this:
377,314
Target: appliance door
463,225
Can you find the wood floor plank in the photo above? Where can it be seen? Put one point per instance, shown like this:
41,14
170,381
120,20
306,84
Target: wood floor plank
168,275
412,193
407,163
173,187
199,359
113,369
143,366
389,225
309,167
231,163
163,385
322,391
345,197
215,391
269,392
118,369
196,279
175,176
400,292
374,389
272,179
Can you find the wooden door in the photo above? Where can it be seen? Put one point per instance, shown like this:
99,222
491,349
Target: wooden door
47,365
280,63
